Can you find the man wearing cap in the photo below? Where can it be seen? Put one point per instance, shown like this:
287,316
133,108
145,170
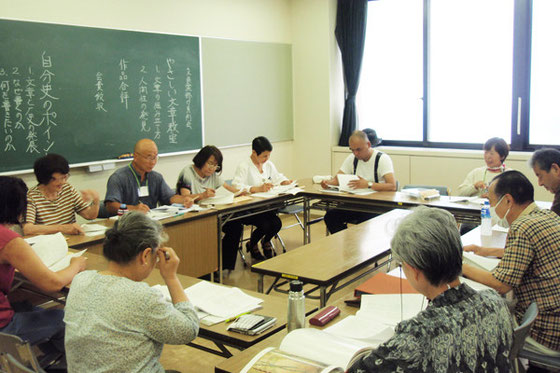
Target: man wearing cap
374,169
546,165
137,186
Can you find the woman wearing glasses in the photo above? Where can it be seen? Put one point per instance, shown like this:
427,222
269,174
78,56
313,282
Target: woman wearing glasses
200,181
53,203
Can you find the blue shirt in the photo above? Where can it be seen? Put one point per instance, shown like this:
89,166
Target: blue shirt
123,187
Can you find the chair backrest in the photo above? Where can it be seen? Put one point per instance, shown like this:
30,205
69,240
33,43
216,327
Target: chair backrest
443,191
20,351
520,333
9,364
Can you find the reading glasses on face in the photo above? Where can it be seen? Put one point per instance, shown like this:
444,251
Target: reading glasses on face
151,158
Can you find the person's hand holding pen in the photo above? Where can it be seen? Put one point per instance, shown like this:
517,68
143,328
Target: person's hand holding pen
264,188
209,192
168,264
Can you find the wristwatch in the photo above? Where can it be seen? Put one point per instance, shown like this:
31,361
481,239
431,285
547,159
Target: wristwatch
370,184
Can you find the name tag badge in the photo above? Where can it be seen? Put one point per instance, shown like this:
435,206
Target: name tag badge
143,191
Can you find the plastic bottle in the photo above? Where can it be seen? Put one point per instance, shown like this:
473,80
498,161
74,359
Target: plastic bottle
296,306
485,220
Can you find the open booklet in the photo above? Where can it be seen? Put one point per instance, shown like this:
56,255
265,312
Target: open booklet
486,263
169,211
215,303
277,190
337,347
52,249
343,186
222,197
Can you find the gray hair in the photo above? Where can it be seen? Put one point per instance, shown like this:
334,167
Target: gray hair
130,235
545,158
429,240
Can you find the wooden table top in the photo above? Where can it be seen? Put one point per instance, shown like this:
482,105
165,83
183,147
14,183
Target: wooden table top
397,198
272,305
332,257
81,240
238,361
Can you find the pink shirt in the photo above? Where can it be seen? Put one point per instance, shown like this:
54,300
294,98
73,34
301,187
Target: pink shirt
6,278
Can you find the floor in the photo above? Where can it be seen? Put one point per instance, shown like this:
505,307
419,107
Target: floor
188,359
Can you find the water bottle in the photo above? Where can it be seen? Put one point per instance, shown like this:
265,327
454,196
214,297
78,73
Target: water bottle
485,220
296,306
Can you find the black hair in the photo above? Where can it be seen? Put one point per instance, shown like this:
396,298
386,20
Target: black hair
516,184
46,166
372,136
261,144
131,235
13,199
205,153
545,158
500,145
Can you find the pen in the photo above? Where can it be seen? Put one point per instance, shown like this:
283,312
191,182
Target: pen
167,257
235,317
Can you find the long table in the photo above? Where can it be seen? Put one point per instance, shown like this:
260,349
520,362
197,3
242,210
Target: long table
337,257
379,202
272,306
192,235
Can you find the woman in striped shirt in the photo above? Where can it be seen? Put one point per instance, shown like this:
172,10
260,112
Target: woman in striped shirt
52,204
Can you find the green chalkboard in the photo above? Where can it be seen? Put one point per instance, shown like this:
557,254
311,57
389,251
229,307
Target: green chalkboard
90,94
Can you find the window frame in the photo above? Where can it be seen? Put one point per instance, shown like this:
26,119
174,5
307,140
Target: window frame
521,81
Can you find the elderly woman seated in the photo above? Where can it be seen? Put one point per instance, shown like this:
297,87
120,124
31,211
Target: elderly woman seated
461,330
114,321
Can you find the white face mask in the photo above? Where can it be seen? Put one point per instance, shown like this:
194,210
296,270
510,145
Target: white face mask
502,222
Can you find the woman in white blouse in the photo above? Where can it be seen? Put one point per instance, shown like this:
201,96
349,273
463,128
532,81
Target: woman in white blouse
476,183
258,174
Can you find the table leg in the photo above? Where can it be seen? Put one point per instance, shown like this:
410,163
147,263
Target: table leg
306,225
220,259
260,283
323,296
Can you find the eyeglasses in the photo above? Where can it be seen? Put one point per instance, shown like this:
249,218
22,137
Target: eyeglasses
151,158
212,165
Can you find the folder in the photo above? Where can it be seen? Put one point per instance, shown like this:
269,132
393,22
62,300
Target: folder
383,283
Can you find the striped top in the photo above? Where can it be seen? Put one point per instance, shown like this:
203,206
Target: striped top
60,211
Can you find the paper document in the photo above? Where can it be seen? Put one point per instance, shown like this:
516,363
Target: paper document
94,229
222,197
343,181
218,301
385,308
366,329
277,190
52,249
487,263
461,199
169,211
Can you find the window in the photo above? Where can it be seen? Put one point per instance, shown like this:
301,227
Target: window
451,73
545,73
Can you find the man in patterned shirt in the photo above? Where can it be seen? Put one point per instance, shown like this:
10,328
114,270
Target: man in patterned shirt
546,165
531,262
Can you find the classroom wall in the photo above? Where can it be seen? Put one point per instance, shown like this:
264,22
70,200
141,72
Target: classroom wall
251,20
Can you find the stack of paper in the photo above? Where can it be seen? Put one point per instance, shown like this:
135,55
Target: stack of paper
217,303
94,229
52,249
374,323
167,211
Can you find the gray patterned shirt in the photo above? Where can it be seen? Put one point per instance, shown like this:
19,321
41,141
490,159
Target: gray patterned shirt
461,330
114,324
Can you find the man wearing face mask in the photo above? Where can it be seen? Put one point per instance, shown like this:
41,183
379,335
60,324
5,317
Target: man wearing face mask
530,265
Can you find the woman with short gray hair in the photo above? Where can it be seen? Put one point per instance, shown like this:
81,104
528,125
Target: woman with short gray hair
125,320
461,330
